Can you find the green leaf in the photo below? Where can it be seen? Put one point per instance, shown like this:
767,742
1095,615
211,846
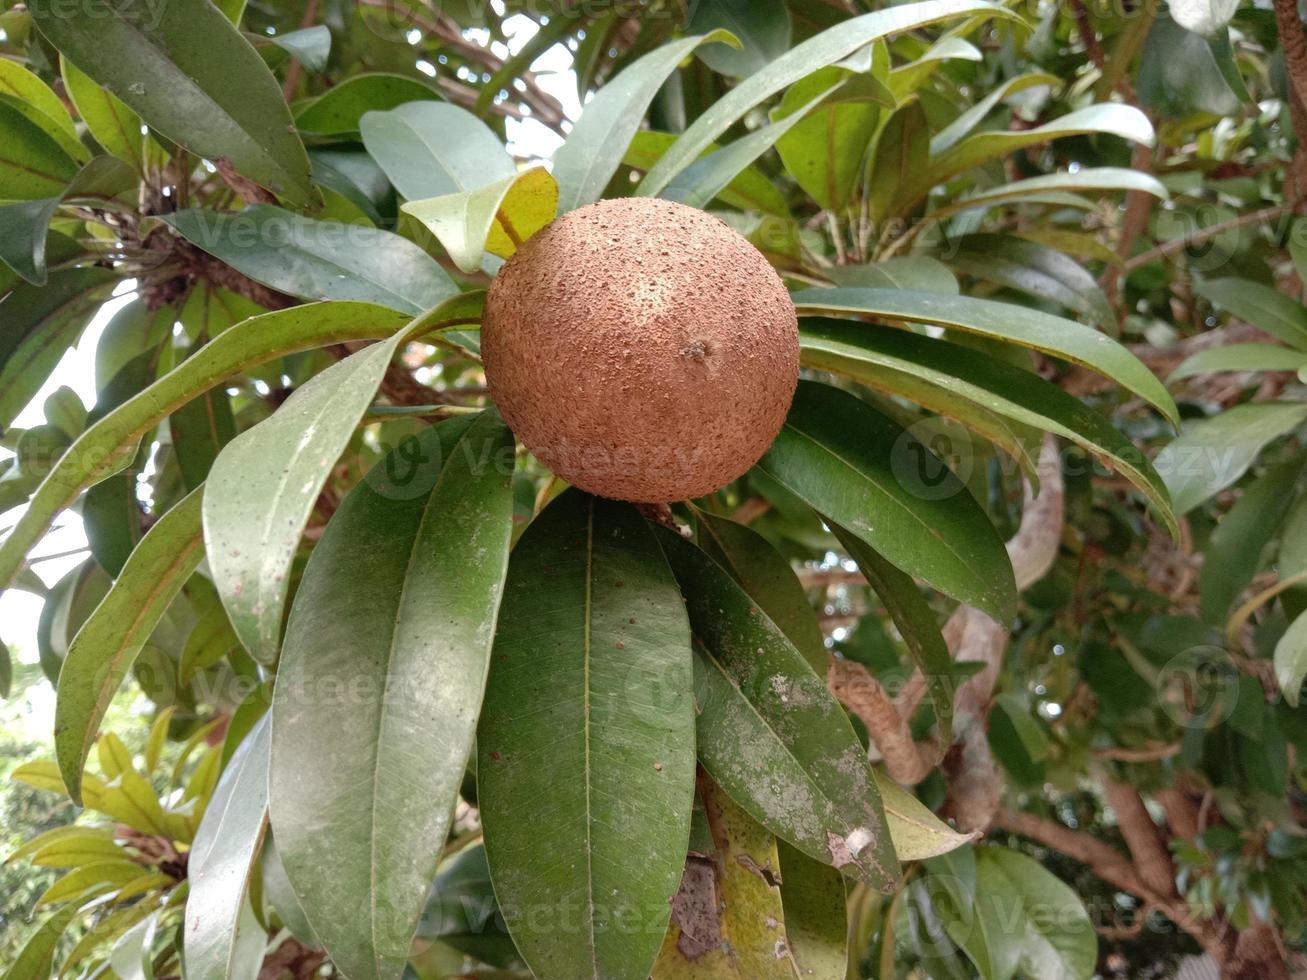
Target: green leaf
749,190
971,117
860,350
199,430
410,639
37,955
1291,659
824,49
211,639
839,455
710,175
1033,924
339,112
108,643
1234,550
1212,453
1112,118
1053,335
906,80
1180,73
281,896
132,955
1053,188
115,126
1265,307
762,28
825,151
106,931
310,46
26,92
40,324
89,881
318,259
33,164
1035,269
771,734
816,918
901,154
768,579
916,623
430,149
254,515
496,218
589,157
222,938
1240,357
920,272
108,446
589,706
206,88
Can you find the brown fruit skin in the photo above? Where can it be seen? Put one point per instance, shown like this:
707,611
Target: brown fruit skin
642,350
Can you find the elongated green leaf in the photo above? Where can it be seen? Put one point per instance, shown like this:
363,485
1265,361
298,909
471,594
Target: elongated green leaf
1234,550
857,350
816,915
709,176
587,160
1053,335
826,150
1212,453
750,190
37,955
108,643
319,259
255,514
33,96
916,623
199,430
281,896
339,111
496,218
33,164
115,126
771,734
1240,357
310,46
89,881
1034,269
1111,117
1053,188
1263,306
429,149
902,152
589,706
106,931
1291,659
106,447
222,943
40,324
824,49
761,26
769,580
193,77
360,838
839,455
916,832
25,225
919,272
1030,922
973,116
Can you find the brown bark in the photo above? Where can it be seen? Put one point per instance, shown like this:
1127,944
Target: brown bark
908,762
1141,835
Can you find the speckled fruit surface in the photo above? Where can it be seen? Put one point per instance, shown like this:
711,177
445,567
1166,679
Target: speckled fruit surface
641,349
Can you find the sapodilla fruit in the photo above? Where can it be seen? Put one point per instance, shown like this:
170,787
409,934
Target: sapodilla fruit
641,349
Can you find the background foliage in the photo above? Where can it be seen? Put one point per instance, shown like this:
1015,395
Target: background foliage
1049,269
